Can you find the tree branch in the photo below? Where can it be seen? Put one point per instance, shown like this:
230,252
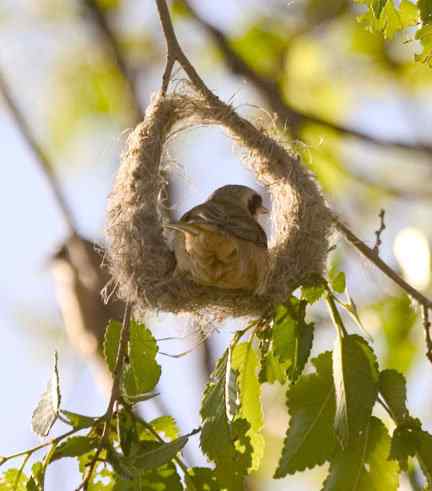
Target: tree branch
289,115
373,257
175,53
113,47
41,158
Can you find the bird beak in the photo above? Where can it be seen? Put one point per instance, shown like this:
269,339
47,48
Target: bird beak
262,210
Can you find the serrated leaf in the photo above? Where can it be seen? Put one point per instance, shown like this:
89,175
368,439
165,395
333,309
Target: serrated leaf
364,465
272,370
224,443
310,439
392,387
47,409
78,421
142,358
355,376
74,446
403,445
244,361
232,397
292,337
111,343
201,478
166,425
9,481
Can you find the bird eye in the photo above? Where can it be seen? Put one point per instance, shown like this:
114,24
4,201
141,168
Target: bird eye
254,203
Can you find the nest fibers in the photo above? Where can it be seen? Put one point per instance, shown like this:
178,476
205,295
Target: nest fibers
140,260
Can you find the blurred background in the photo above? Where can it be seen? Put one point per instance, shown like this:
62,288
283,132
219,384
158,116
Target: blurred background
76,78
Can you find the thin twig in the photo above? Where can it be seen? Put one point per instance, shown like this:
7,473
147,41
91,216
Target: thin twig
379,232
41,158
427,329
30,451
113,47
270,90
380,264
115,395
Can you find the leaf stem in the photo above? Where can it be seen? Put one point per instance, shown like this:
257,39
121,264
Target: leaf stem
335,315
30,451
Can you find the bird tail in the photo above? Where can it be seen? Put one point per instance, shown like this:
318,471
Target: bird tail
185,228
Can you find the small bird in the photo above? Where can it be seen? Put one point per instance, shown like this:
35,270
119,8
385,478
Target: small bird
220,242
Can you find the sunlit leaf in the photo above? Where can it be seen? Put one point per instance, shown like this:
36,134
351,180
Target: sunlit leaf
224,442
364,465
78,421
392,387
311,438
9,481
47,410
144,371
244,361
355,374
201,478
111,343
74,446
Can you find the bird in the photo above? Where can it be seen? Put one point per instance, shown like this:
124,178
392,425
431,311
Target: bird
220,243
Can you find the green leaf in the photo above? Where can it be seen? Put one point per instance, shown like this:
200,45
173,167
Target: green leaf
403,445
391,19
166,425
74,447
47,409
272,370
425,9
312,293
292,337
424,35
78,421
355,375
127,431
397,320
149,455
310,439
392,387
9,481
364,465
232,398
31,485
201,478
424,455
338,282
145,371
244,361
377,7
163,478
111,343
224,442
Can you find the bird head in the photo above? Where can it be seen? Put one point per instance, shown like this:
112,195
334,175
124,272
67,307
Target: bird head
238,195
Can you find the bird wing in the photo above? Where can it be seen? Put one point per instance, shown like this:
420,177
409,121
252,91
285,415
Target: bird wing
238,222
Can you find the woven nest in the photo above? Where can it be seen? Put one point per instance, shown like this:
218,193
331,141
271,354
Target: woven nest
141,262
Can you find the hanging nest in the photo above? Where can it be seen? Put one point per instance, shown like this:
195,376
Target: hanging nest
140,260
